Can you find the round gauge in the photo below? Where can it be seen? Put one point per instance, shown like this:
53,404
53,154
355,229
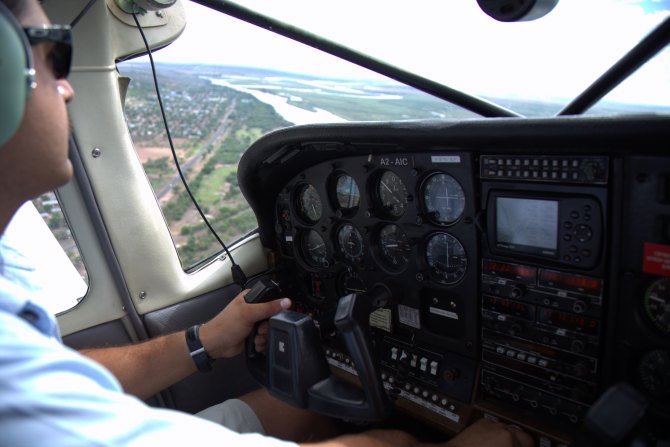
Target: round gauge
351,282
446,257
350,241
347,193
444,198
392,194
309,203
314,249
394,246
654,371
657,304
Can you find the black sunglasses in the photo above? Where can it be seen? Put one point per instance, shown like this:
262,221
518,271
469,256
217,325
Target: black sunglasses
60,56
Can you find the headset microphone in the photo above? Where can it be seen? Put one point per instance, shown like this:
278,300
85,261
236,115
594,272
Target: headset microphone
16,73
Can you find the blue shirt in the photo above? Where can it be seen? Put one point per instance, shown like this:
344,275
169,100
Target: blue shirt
51,395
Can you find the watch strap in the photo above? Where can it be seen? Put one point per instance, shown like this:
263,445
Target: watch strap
196,350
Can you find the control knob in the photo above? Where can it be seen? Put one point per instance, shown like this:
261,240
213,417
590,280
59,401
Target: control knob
580,369
517,291
579,306
577,346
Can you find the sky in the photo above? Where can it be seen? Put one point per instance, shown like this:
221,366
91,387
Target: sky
452,42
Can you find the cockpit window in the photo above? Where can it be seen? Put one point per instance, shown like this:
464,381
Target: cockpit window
222,98
534,68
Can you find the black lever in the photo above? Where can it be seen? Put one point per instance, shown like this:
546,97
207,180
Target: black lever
263,291
295,368
333,396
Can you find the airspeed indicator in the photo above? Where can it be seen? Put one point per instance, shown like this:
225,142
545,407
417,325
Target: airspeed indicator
392,194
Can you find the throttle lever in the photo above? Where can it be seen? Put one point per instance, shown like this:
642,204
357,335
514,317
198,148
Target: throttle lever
263,291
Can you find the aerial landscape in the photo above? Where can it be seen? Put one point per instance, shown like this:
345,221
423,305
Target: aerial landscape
216,112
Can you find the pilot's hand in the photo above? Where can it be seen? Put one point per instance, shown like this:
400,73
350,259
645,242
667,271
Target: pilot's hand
494,434
224,335
261,339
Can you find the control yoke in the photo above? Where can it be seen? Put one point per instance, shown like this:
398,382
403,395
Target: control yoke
295,369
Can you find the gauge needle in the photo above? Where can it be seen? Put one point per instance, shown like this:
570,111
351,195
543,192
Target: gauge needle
314,209
391,191
447,255
391,245
315,248
657,299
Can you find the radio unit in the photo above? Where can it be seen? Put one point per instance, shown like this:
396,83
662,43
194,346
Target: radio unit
541,333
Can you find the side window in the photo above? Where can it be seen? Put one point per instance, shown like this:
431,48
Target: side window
40,232
211,127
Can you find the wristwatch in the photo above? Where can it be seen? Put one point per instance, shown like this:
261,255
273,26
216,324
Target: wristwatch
197,351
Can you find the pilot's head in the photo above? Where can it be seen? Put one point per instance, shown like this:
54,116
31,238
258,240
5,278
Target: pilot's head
33,119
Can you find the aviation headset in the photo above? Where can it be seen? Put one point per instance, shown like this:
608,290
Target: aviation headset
17,74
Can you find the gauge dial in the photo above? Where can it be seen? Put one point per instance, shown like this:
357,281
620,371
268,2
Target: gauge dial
309,203
314,249
654,371
350,241
347,193
351,282
394,246
446,257
444,198
657,304
392,194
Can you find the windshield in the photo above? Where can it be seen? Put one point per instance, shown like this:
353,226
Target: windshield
534,68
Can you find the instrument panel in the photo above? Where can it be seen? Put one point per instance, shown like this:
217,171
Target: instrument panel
403,219
510,294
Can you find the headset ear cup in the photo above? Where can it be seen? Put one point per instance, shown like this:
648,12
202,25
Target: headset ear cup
15,69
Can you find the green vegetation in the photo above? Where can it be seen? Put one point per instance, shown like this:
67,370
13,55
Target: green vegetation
212,126
414,105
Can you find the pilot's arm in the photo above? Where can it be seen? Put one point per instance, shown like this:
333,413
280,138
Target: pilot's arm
166,359
481,433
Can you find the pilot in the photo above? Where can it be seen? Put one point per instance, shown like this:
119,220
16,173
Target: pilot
52,395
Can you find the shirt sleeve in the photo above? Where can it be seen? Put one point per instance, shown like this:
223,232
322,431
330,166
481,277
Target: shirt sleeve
53,396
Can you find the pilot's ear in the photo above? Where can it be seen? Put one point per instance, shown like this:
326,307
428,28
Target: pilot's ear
17,75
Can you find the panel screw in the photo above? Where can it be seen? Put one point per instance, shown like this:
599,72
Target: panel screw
143,295
159,14
96,152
